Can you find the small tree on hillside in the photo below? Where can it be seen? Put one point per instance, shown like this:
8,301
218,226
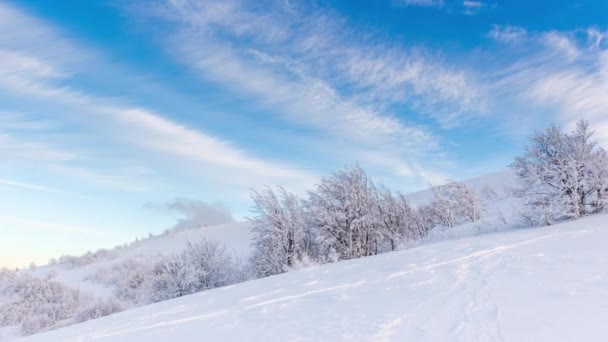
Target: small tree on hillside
455,203
398,218
343,208
280,236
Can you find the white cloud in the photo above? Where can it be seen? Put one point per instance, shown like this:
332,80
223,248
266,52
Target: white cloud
472,7
565,73
196,214
30,186
467,7
508,34
561,43
421,3
14,148
36,225
473,4
319,51
41,73
309,68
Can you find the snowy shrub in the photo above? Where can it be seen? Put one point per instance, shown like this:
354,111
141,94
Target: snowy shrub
98,308
455,203
36,303
279,230
562,176
35,324
398,219
201,266
86,259
130,278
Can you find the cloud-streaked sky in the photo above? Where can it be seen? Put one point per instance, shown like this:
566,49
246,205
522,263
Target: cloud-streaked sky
109,110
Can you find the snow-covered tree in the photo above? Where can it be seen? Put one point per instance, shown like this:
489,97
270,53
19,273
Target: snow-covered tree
561,175
455,203
35,303
201,266
343,207
399,219
281,238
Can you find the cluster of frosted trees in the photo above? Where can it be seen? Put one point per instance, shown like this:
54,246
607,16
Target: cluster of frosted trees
39,304
200,266
347,216
562,176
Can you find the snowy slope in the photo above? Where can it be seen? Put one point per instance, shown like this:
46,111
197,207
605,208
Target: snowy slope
544,284
235,236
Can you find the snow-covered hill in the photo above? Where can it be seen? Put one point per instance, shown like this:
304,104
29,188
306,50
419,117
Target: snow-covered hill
235,236
541,284
497,216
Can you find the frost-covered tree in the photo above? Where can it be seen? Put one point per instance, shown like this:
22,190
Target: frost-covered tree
201,266
343,207
132,279
591,163
399,219
35,303
281,238
561,175
98,308
455,203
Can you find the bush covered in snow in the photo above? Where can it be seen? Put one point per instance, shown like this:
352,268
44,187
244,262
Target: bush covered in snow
282,239
201,266
34,303
455,203
98,308
85,259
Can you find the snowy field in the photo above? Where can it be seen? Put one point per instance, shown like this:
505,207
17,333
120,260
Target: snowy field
536,284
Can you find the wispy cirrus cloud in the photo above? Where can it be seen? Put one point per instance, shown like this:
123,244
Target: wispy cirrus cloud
564,72
30,186
42,72
420,3
467,7
507,33
309,67
45,226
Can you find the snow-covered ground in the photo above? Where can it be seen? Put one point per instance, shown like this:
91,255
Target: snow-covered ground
471,282
537,284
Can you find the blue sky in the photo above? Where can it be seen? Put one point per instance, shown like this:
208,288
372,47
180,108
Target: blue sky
121,118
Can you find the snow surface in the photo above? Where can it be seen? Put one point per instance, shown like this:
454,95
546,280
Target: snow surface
542,284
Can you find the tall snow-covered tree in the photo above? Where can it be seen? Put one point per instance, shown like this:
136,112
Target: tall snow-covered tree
280,237
399,219
343,207
561,175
